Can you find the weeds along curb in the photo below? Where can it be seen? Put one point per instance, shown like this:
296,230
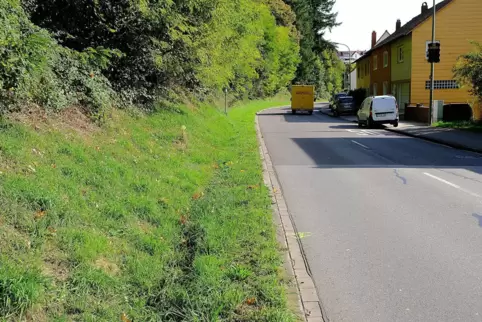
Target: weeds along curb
307,295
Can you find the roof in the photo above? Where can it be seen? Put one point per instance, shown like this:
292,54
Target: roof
385,35
407,28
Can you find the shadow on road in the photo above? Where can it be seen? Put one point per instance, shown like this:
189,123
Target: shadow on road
299,117
384,152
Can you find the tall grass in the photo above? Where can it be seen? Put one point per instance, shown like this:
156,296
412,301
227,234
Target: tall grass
158,217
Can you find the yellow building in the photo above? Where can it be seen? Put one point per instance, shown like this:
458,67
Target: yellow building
457,23
363,73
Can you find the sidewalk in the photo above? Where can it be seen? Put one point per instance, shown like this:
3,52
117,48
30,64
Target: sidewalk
458,139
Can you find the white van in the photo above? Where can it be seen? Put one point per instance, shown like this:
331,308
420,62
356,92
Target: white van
378,110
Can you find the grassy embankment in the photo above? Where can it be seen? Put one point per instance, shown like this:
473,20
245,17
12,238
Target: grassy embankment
149,218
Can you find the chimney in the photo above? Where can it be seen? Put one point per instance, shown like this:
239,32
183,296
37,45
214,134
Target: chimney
374,39
399,24
424,7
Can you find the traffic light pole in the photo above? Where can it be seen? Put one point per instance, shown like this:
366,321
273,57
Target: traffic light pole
432,74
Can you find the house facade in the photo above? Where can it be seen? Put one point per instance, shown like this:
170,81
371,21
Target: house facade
408,72
345,57
401,70
458,23
363,73
380,80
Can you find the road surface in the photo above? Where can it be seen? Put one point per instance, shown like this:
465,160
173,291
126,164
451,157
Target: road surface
392,225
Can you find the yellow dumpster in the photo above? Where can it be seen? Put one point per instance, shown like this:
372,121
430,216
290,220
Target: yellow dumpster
302,98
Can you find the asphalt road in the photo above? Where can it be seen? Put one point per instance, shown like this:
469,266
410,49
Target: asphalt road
392,225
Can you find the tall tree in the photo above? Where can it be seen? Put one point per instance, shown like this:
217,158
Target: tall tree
313,18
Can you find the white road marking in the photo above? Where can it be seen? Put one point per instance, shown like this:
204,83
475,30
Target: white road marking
364,146
452,185
441,180
364,132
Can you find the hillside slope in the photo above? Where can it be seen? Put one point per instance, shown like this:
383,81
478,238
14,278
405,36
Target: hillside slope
148,218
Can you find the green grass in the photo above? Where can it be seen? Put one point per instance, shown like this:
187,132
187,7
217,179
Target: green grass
153,218
468,126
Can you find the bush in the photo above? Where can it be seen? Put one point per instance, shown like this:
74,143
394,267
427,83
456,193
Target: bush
359,96
34,68
469,70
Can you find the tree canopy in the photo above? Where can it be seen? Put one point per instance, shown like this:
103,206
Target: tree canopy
469,70
137,50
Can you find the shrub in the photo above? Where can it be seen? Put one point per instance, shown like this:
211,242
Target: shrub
359,96
35,68
468,70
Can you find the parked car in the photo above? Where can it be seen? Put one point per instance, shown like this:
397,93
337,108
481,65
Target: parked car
344,105
334,98
378,110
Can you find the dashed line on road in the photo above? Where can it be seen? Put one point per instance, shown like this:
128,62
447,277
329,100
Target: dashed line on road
358,143
452,185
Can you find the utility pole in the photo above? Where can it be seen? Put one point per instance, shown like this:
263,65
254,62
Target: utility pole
432,65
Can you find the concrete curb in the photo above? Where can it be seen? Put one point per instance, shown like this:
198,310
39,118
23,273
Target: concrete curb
421,137
309,303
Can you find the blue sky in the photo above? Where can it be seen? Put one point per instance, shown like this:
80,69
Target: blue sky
359,19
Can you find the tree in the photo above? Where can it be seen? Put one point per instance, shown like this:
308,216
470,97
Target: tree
468,70
313,17
250,46
335,70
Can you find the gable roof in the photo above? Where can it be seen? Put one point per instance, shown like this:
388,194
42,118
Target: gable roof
407,28
385,35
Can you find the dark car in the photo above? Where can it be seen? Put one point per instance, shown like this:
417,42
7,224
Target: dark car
335,98
344,105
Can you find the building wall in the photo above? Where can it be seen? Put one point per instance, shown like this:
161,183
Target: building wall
401,70
457,24
381,75
353,80
363,73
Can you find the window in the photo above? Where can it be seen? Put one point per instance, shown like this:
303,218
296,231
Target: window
375,89
385,59
426,47
443,84
400,54
375,62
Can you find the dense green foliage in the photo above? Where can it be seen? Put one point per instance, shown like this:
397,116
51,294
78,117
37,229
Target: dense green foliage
358,95
34,68
334,72
469,70
58,53
313,17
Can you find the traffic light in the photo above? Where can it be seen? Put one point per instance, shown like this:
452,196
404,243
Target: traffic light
434,52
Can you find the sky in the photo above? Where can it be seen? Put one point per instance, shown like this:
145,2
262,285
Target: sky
359,19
